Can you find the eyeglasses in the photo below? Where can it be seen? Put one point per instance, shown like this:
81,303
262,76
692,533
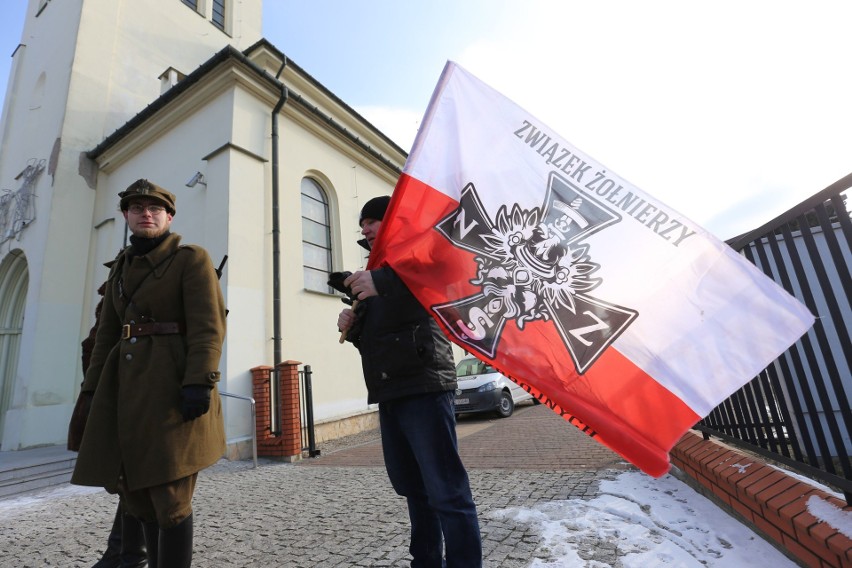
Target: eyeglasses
137,209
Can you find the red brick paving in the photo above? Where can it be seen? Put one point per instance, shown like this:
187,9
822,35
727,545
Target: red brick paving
533,438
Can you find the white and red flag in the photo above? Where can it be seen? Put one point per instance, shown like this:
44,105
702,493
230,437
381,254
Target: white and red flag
618,312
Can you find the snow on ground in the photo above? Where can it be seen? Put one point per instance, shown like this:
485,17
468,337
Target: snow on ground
650,522
641,521
23,502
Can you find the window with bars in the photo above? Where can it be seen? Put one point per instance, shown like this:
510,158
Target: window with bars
192,4
316,237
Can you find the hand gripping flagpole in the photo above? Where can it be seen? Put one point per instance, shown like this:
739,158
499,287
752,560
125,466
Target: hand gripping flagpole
335,280
344,333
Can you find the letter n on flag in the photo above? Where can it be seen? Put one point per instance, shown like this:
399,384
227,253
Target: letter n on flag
615,310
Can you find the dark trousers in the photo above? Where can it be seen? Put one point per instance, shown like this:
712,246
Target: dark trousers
423,464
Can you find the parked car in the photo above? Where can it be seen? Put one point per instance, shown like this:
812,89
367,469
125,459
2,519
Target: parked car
482,389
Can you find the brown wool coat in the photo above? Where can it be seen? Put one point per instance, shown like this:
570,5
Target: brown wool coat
135,418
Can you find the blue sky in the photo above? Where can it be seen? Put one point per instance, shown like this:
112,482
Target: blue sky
729,112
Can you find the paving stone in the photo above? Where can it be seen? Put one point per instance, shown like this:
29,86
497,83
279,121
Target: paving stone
336,510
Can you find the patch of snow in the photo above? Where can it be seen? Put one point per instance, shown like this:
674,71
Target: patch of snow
637,521
831,514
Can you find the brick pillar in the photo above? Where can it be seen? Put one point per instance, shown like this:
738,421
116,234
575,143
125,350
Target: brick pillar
291,429
288,445
260,388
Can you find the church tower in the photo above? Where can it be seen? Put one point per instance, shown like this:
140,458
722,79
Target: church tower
82,70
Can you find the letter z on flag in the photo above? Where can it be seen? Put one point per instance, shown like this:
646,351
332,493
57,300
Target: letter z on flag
616,311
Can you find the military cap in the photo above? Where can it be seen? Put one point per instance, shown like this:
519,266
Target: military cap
144,188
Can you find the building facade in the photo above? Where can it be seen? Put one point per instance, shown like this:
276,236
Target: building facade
268,166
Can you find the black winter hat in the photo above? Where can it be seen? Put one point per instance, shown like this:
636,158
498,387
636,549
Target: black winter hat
374,209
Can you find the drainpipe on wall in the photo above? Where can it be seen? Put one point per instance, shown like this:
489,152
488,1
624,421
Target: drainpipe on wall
276,232
274,383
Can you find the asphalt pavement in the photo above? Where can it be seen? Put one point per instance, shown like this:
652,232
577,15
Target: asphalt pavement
338,509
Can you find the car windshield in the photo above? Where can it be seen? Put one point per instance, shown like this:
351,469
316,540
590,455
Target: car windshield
471,367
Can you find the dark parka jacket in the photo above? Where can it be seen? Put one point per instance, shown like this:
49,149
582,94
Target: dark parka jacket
403,351
135,418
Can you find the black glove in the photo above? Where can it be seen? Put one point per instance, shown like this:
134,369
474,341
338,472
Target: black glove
335,280
195,401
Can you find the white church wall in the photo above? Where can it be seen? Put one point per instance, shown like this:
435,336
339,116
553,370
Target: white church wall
310,326
78,88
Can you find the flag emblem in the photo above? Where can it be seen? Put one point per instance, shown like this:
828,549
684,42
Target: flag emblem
533,265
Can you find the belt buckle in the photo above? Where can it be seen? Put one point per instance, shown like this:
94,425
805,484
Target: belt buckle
125,331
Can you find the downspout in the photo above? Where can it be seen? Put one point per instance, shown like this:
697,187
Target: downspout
276,232
274,395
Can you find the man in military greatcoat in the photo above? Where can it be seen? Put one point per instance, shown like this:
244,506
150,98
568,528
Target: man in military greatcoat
155,417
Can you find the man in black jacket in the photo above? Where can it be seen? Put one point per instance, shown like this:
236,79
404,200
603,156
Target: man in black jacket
409,370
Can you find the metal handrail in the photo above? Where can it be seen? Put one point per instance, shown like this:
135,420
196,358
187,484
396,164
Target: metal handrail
253,422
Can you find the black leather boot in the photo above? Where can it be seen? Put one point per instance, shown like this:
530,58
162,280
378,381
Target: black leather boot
176,545
112,555
152,543
133,552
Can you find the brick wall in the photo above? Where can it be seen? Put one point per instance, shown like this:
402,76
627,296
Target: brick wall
767,499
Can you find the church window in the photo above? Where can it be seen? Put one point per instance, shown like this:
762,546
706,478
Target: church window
219,14
316,236
218,18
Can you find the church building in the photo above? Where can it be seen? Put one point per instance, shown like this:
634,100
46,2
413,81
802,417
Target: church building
269,168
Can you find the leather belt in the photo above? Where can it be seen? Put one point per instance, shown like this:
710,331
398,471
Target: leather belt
151,328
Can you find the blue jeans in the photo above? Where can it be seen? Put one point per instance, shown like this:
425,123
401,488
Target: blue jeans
423,464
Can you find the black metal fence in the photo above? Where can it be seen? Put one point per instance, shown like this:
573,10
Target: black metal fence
797,411
306,416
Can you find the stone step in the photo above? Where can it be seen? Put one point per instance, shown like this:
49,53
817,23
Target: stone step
36,481
27,470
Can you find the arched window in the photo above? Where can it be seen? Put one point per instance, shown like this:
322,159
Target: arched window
316,236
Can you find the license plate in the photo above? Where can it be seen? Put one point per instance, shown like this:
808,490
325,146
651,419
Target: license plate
462,401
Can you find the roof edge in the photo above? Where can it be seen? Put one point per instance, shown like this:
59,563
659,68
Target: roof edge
230,52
